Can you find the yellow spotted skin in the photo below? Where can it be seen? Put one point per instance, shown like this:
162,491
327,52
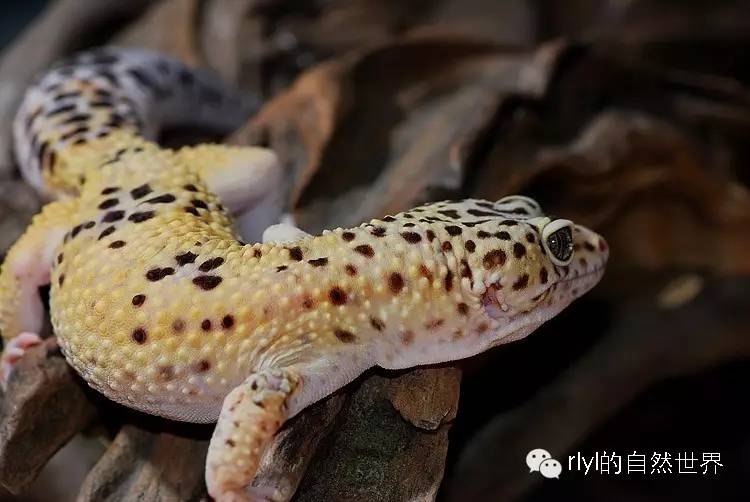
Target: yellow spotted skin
158,304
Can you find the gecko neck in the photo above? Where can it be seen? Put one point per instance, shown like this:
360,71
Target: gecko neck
71,168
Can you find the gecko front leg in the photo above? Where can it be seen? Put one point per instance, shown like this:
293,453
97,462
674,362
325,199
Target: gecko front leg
26,268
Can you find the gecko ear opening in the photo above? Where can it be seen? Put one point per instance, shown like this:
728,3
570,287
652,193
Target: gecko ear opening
557,239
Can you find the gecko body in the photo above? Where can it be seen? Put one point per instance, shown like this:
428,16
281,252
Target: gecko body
158,304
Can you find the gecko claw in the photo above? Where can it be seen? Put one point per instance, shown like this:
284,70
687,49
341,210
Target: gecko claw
14,351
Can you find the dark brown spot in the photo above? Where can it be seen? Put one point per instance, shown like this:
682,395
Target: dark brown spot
308,303
207,282
479,212
117,244
583,262
530,237
185,258
281,268
157,274
107,231
109,203
448,281
434,324
110,190
162,199
450,213
203,366
140,192
463,309
199,204
257,253
465,269
495,258
178,326
351,269
192,211
141,216
61,280
521,282
446,246
88,225
509,223
348,236
229,443
519,250
318,262
190,187
483,235
211,264
378,231
409,225
453,230
338,296
470,246
430,235
113,216
344,336
483,327
377,323
59,258
543,276
425,272
389,219
503,235
411,237
227,322
407,337
139,336
395,282
365,250
166,373
206,325
295,253
76,230
139,300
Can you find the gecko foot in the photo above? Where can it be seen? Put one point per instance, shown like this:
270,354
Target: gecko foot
14,351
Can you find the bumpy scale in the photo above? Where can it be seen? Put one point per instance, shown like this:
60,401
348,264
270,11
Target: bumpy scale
159,306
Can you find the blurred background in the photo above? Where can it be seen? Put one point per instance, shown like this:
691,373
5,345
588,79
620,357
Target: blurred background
629,116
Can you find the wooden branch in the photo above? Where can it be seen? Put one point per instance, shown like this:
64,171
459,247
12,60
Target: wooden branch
45,406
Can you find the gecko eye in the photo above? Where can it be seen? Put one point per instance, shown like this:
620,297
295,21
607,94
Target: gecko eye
557,239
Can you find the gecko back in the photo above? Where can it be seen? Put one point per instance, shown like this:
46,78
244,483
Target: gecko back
93,94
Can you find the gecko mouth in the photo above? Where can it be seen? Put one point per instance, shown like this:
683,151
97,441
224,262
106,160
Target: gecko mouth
498,308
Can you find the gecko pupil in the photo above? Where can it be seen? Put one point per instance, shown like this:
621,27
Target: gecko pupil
560,244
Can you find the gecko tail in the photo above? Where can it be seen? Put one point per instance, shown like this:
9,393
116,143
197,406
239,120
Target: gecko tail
95,93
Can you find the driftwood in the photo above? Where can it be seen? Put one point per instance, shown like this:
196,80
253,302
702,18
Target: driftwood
375,106
43,408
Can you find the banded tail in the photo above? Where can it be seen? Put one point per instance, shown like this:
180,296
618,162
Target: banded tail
94,94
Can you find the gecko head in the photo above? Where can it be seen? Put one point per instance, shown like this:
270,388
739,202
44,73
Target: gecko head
534,267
